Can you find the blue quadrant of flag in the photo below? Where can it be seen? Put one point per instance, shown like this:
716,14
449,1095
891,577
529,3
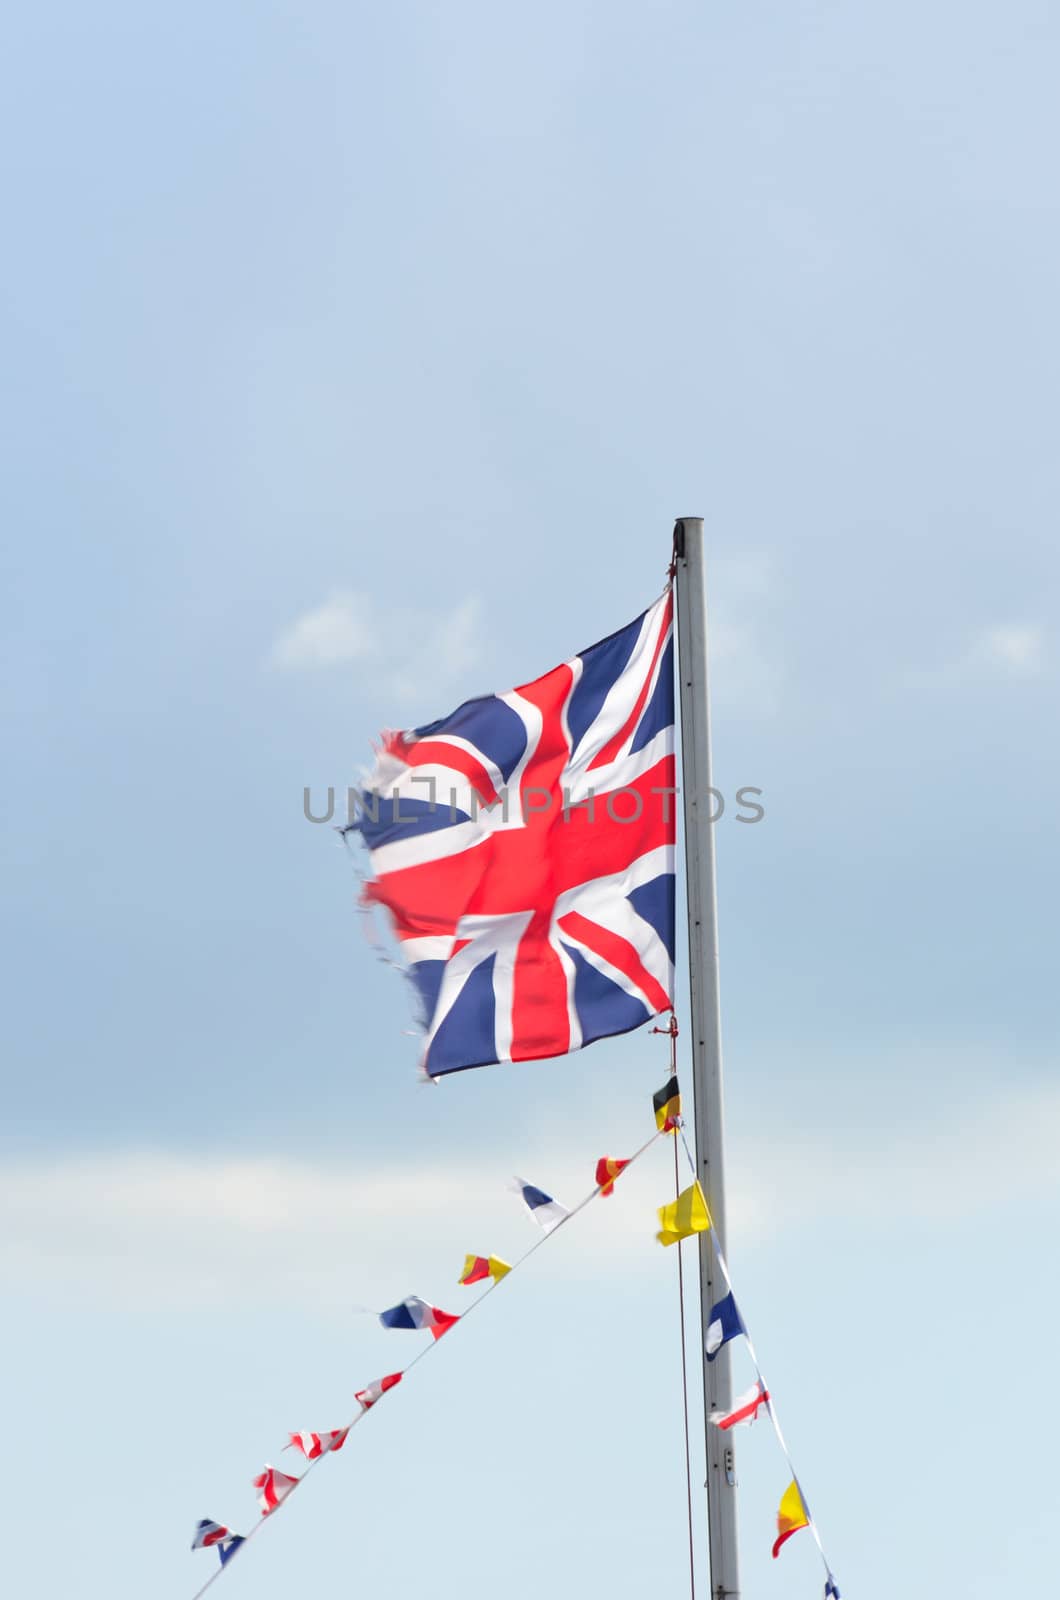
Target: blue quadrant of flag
723,1324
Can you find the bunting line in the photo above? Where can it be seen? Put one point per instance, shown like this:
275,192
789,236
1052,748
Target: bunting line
551,1217
723,1268
427,1350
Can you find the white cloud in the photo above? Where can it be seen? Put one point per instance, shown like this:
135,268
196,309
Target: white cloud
1003,1151
1007,650
339,630
1017,649
420,655
214,1230
413,651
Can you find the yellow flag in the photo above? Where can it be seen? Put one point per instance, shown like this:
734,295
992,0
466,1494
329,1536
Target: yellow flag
792,1516
684,1216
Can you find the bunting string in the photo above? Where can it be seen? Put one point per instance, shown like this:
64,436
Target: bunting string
682,1218
494,1284
770,1405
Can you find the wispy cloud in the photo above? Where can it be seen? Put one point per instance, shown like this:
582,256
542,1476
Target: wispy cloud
1017,649
340,630
1001,1151
215,1230
1012,651
417,652
212,1230
412,650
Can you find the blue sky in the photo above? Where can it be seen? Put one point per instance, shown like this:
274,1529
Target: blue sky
358,360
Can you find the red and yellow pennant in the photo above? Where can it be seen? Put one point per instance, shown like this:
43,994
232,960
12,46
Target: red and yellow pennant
607,1170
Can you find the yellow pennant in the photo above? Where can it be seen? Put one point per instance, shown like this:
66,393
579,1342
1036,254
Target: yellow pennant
684,1216
792,1516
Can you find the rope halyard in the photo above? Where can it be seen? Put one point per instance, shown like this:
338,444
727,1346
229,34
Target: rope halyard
671,1032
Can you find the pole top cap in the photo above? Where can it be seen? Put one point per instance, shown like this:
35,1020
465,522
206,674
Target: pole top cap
679,534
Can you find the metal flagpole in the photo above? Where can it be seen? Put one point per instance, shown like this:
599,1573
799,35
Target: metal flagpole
706,1030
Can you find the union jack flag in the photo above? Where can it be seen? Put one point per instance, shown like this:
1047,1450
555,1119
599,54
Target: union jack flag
524,849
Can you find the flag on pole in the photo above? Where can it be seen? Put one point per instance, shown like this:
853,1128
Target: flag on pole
792,1516
367,1397
478,1267
744,1410
831,1589
228,1548
416,1313
274,1487
314,1445
546,1212
666,1103
524,850
208,1533
684,1216
724,1323
607,1170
